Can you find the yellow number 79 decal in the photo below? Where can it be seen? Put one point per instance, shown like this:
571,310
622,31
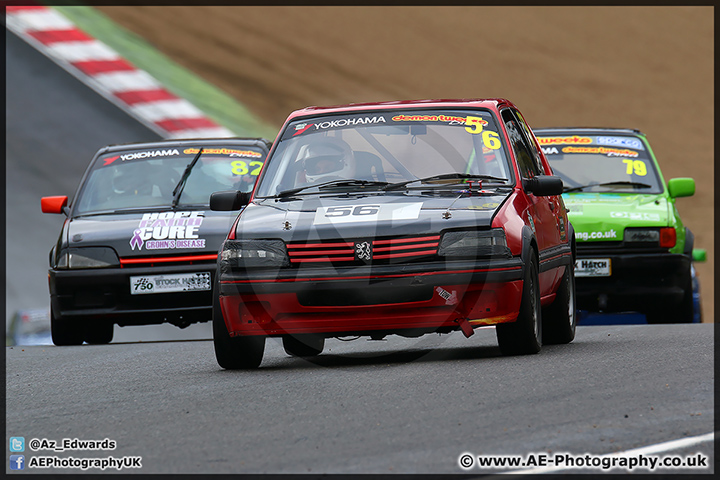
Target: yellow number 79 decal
637,166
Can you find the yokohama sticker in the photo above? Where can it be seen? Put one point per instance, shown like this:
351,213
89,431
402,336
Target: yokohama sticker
367,213
149,154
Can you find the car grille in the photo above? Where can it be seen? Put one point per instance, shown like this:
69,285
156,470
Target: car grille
616,248
378,251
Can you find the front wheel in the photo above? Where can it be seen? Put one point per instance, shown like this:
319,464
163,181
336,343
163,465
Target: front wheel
99,332
233,353
303,345
559,319
524,336
682,313
66,331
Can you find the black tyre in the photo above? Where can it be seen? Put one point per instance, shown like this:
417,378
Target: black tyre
66,331
303,345
99,332
233,353
559,319
682,313
524,336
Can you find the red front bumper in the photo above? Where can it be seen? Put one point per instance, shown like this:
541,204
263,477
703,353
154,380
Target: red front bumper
277,313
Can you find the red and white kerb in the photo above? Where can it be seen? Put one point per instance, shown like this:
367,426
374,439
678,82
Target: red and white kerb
102,69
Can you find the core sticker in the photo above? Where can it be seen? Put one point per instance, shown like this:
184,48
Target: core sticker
367,213
168,230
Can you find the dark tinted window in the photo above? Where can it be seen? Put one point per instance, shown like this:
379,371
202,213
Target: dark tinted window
526,159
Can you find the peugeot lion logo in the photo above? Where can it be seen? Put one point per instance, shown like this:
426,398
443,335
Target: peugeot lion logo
363,251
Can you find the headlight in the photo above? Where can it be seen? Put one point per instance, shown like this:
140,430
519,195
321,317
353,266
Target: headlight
88,257
254,253
666,237
477,243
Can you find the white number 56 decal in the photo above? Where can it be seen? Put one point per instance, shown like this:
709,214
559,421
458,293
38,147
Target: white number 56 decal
367,213
345,211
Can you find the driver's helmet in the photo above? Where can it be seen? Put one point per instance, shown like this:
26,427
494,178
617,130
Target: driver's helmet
329,158
122,183
132,180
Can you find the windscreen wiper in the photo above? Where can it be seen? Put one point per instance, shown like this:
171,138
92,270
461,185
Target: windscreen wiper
331,184
353,183
621,183
445,176
181,184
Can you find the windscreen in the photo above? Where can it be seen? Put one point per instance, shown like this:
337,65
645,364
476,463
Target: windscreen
147,178
386,146
600,163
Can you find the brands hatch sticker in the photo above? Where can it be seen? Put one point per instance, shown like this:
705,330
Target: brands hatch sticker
593,267
367,213
168,230
182,282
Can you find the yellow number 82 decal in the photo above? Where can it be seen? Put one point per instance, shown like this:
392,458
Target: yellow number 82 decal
240,167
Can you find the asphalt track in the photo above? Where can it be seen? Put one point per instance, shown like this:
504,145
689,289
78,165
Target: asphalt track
395,406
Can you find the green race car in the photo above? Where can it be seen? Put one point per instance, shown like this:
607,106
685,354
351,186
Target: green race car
633,252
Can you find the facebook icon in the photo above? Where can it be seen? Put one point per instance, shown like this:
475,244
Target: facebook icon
17,462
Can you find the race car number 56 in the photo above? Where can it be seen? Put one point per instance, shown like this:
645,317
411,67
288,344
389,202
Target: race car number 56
367,213
183,282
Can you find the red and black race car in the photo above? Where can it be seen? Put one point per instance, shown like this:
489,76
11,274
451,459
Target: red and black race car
396,218
140,244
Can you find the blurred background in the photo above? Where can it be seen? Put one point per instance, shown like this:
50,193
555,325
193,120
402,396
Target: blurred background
649,68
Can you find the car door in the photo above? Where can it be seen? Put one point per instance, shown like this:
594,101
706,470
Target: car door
555,235
541,216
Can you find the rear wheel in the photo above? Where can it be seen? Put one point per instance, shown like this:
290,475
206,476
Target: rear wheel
99,332
303,345
233,353
559,319
66,331
524,336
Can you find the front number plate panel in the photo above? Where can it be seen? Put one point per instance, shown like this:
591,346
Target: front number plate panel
181,282
593,267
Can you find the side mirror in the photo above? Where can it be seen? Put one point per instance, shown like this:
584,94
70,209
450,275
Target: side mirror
53,204
543,185
681,187
228,200
699,255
